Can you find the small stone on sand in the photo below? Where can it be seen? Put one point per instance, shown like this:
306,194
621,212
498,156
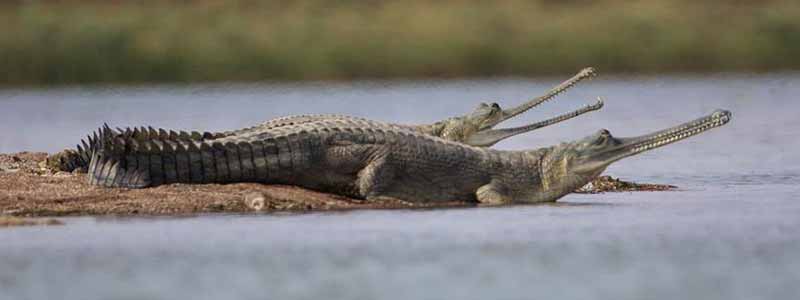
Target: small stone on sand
255,201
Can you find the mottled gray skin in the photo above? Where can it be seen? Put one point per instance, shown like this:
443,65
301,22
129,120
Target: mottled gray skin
476,128
372,160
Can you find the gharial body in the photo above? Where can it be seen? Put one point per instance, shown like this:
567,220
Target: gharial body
372,160
476,128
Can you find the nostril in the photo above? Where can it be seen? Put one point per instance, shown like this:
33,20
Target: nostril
589,71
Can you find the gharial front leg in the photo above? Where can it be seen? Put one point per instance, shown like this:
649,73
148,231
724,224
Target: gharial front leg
374,180
494,193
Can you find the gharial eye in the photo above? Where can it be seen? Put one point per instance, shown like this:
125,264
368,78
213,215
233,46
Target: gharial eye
601,139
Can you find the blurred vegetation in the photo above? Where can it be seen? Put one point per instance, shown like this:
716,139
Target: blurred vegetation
55,42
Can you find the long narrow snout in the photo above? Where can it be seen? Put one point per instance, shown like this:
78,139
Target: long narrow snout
631,146
515,111
489,137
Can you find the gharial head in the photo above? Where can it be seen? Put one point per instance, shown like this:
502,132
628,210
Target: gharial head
486,115
569,166
476,128
487,137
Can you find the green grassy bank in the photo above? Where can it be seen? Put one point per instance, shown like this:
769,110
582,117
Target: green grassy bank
55,42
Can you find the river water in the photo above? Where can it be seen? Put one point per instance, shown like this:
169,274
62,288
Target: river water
732,231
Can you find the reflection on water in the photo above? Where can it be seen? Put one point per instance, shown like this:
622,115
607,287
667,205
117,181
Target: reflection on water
730,232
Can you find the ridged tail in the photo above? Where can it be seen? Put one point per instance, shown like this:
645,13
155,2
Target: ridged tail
143,160
107,164
89,144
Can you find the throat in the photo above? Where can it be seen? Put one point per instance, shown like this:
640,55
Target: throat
558,175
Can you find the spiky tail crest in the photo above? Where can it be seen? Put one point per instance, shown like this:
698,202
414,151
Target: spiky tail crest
107,164
89,145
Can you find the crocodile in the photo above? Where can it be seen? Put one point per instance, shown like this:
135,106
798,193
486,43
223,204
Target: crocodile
476,128
374,160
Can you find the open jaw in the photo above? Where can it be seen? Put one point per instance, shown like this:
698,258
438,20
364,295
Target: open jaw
512,112
619,148
489,137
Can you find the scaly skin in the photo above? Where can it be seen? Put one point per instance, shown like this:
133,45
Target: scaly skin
373,160
474,129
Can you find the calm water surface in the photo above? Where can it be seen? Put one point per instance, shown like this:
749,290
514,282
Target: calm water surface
731,232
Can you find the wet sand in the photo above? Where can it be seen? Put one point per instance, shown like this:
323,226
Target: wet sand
32,189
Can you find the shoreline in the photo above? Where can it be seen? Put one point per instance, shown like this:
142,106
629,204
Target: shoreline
31,189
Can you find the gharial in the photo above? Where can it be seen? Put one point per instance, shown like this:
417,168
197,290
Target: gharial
476,128
373,160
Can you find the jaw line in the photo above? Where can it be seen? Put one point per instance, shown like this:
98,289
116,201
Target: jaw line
493,136
552,93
